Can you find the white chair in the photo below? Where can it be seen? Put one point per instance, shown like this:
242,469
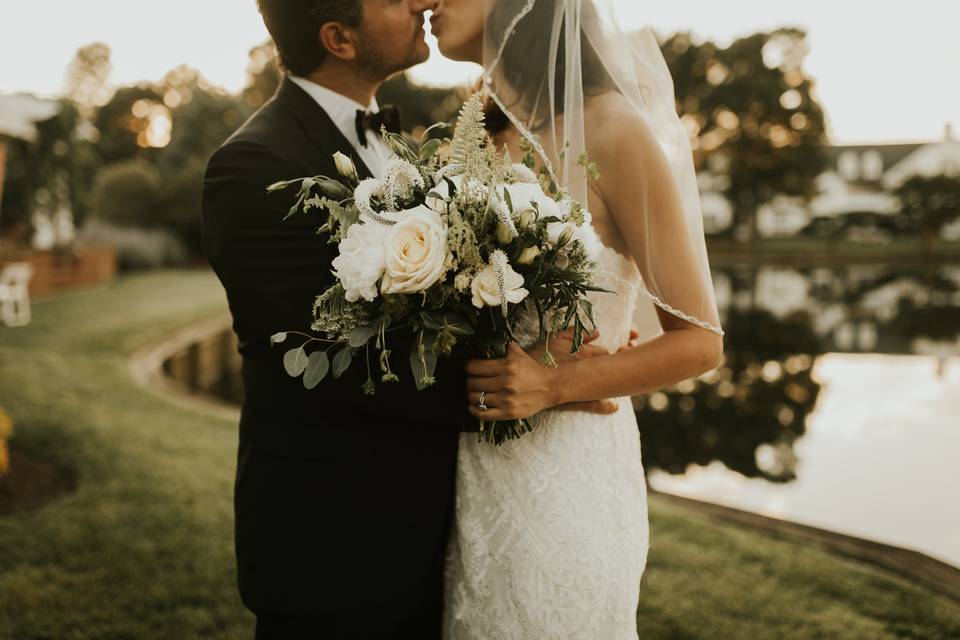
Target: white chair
14,294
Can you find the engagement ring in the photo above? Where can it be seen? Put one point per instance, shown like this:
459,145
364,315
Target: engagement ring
481,405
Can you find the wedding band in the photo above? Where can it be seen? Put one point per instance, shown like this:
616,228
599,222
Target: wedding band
480,404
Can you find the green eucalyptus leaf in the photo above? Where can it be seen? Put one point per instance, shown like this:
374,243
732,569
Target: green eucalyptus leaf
360,336
431,358
318,364
341,361
423,359
295,361
277,338
416,366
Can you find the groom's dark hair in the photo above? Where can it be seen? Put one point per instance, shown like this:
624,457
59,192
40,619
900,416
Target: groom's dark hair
294,25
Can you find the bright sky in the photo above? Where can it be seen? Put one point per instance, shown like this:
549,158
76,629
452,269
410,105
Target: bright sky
886,71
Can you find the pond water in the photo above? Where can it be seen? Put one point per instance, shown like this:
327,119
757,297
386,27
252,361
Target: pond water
838,407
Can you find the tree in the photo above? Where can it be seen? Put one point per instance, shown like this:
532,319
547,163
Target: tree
123,123
202,117
930,203
263,75
753,114
87,78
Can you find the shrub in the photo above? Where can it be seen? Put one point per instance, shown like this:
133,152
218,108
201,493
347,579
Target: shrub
137,248
127,194
180,209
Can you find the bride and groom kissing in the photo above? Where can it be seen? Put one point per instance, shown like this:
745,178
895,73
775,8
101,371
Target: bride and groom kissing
363,517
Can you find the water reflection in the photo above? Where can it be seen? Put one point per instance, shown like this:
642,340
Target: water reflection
748,413
856,443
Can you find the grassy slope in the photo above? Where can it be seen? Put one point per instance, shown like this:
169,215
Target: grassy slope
144,548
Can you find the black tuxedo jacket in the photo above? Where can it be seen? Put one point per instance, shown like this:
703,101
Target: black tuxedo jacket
341,499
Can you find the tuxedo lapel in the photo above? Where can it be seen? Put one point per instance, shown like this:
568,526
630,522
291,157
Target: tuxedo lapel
319,128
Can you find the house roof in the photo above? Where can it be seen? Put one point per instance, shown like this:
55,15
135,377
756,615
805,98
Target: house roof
891,154
20,112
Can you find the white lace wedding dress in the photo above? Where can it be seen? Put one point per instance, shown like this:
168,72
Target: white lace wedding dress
550,539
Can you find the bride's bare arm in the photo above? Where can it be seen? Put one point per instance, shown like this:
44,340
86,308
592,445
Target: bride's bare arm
639,191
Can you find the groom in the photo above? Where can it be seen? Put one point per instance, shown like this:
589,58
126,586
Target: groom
342,501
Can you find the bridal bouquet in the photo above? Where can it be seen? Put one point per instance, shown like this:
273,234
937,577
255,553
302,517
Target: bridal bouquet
451,245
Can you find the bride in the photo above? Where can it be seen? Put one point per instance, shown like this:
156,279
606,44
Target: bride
551,535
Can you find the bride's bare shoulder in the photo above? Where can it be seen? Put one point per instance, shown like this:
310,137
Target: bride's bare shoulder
615,128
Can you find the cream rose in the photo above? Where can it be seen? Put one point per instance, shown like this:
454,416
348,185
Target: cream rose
415,249
486,290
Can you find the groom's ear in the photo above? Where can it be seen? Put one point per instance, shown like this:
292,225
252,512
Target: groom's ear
339,40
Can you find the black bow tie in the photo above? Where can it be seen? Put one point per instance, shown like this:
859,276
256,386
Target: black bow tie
388,116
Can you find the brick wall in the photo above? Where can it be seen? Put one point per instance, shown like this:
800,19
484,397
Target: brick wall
55,273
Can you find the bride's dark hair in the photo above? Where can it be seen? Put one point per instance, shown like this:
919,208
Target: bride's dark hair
527,44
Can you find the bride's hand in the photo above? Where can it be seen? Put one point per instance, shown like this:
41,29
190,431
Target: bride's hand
560,346
519,386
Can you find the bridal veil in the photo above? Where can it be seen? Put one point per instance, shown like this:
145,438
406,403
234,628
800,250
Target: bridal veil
544,61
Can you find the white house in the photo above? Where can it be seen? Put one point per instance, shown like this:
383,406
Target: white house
858,179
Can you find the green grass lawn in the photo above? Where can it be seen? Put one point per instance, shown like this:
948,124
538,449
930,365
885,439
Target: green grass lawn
144,549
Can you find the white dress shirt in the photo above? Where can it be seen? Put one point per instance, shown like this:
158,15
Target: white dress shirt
343,111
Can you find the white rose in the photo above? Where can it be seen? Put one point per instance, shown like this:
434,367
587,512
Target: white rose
416,250
361,262
524,195
486,292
